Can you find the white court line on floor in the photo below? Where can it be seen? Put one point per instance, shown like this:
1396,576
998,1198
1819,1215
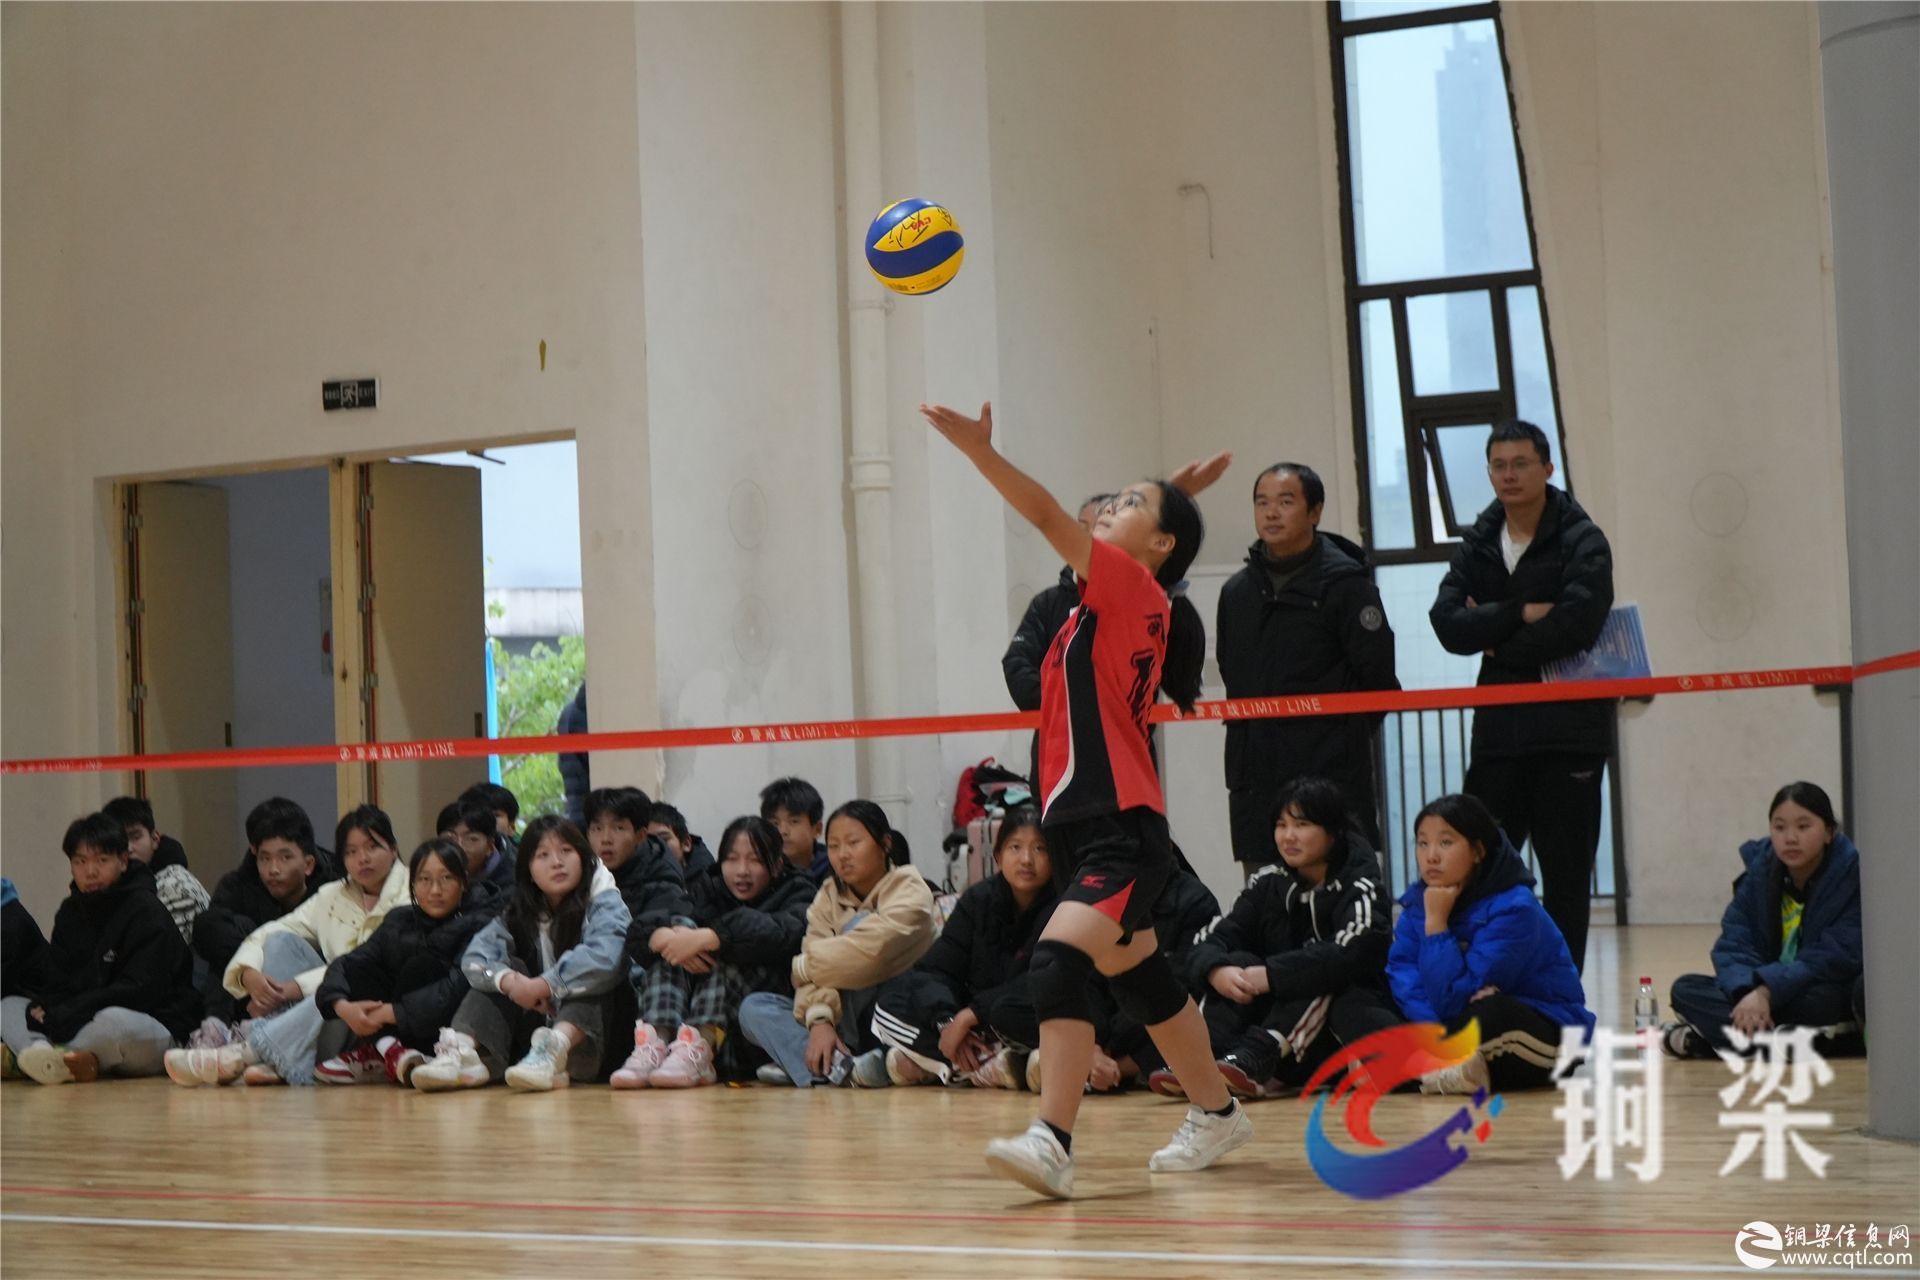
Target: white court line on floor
1292,1260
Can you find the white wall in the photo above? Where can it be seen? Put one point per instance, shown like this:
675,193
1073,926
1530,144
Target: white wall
209,208
279,553
737,144
1672,152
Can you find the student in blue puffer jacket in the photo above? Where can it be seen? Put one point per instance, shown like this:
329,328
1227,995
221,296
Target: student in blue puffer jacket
1474,942
1789,948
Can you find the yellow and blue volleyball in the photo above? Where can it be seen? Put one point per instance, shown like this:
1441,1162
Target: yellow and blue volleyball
914,246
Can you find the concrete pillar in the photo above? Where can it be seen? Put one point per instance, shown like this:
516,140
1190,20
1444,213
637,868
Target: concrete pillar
1868,52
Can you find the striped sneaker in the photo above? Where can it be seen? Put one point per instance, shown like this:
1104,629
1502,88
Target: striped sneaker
361,1064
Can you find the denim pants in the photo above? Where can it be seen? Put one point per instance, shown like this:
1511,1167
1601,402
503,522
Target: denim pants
124,1041
294,1039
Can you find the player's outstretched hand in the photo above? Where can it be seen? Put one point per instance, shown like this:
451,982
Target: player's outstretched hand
969,435
1200,473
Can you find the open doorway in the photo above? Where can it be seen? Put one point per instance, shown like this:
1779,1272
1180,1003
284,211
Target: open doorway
229,644
385,601
534,611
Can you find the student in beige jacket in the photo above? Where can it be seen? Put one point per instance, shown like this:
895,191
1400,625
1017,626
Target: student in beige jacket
280,965
872,918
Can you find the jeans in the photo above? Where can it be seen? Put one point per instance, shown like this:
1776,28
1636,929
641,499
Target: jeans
294,1039
766,1019
124,1041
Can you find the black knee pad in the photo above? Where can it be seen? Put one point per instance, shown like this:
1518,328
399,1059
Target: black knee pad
1059,979
1149,991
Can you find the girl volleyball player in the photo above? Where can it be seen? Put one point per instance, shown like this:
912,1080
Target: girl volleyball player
1102,809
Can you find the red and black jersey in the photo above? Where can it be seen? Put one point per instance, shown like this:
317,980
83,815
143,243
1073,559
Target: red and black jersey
1096,686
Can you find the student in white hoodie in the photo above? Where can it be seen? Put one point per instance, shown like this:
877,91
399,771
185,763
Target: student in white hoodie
280,965
542,974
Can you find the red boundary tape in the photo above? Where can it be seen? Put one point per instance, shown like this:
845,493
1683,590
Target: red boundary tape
1322,704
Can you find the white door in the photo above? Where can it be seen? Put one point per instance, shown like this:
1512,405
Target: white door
183,691
424,631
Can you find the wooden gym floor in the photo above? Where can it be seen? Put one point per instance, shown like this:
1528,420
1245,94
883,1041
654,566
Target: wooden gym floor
143,1179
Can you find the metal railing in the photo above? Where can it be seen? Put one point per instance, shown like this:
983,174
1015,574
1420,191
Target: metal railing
1424,754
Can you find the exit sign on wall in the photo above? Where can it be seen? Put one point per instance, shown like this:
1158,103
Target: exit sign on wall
349,393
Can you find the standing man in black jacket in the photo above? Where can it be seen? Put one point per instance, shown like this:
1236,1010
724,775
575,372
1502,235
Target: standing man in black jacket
1303,617
1532,582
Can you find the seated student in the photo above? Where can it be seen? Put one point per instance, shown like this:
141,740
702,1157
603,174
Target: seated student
1298,968
872,919
1789,949
942,1019
396,990
23,959
1474,942
489,867
180,891
648,878
749,915
505,807
117,986
669,826
541,973
794,808
282,963
281,869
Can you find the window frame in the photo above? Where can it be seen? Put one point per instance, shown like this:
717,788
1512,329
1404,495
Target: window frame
1417,412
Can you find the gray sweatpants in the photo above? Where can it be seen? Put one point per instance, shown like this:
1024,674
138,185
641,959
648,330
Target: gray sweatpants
125,1042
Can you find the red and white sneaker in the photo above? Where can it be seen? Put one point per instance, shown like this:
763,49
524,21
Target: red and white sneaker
361,1064
689,1063
400,1061
649,1054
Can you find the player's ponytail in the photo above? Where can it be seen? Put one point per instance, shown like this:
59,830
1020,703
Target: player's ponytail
1186,633
1186,654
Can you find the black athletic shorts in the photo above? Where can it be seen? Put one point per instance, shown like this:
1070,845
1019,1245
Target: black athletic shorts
1116,863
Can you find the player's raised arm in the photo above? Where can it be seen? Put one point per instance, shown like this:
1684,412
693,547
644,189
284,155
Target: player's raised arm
974,438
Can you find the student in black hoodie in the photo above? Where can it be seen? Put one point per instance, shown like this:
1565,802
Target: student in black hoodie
749,918
397,989
1532,581
117,989
1302,617
180,890
942,1018
489,866
281,869
1298,968
1045,614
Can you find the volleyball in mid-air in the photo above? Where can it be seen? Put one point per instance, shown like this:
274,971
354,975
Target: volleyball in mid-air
914,246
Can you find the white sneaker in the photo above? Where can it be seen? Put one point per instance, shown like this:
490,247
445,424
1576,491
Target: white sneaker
1202,1139
771,1073
1033,1072
45,1063
455,1065
192,1067
649,1052
1035,1160
1001,1071
544,1067
1467,1078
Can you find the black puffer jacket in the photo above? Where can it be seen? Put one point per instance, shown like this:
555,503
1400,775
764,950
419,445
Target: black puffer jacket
117,948
1568,565
655,895
23,949
240,905
1325,632
986,944
763,934
412,961
1314,941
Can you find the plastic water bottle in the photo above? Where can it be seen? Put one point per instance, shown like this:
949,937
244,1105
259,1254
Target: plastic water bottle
1646,1007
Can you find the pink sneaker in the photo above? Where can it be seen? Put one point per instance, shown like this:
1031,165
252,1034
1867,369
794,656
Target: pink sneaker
361,1064
649,1052
689,1063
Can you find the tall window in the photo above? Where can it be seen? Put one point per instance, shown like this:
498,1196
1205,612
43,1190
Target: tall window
1446,323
